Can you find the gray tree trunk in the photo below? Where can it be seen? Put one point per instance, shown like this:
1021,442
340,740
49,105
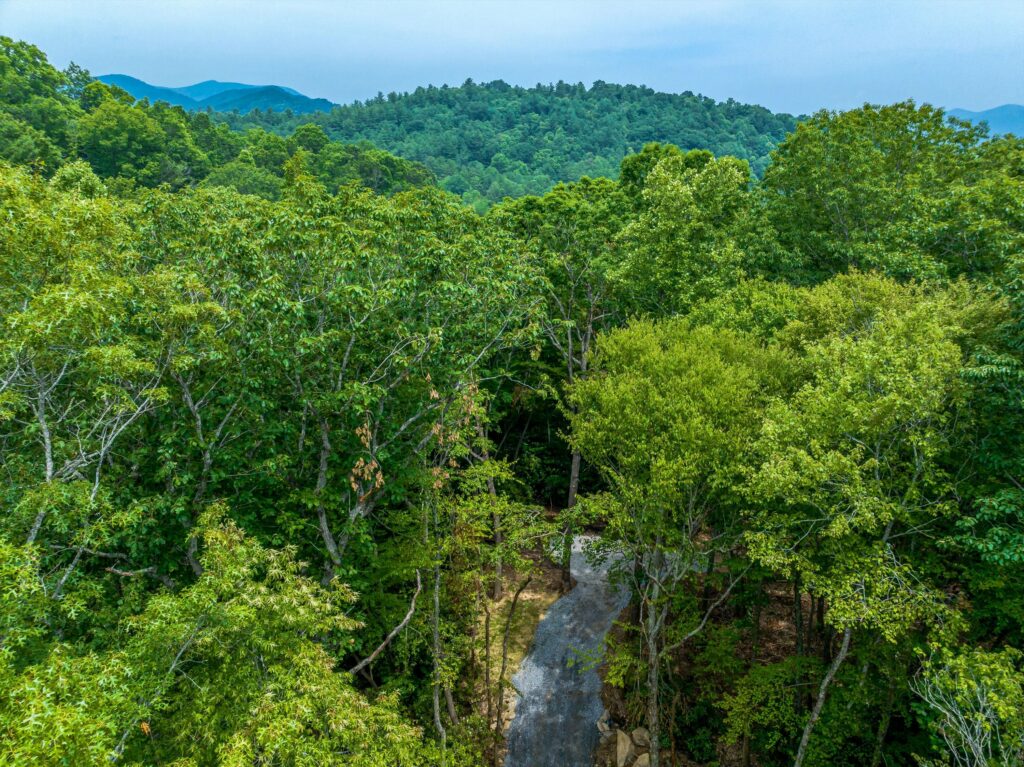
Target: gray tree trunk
844,649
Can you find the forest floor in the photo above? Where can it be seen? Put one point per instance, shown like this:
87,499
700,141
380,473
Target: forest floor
544,590
775,642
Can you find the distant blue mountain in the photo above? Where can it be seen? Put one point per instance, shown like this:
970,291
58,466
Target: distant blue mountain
143,90
1009,118
220,96
264,97
208,88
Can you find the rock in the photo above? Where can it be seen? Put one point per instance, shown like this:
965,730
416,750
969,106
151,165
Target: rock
644,760
624,749
602,723
642,737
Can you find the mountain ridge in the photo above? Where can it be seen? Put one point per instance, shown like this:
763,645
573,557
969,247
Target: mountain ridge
208,88
487,141
1006,118
220,96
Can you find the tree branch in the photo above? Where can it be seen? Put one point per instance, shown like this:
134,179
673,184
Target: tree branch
394,632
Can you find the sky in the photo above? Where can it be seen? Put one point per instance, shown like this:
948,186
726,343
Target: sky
795,56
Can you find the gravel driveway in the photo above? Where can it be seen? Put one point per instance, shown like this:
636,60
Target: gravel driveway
555,724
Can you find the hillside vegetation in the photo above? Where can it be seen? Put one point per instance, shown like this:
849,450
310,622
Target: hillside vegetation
49,118
276,468
492,140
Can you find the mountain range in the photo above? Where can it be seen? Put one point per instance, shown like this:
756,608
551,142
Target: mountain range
221,96
1009,118
243,98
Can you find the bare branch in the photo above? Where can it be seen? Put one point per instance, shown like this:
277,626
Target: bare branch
394,632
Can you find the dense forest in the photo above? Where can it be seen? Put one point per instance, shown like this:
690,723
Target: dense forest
286,430
48,118
494,140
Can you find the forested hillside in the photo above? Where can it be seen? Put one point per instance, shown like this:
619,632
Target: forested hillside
492,140
49,118
276,469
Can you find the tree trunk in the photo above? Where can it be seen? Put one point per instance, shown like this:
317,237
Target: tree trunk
499,725
883,725
671,730
190,555
333,554
798,625
435,630
574,479
567,532
473,661
653,712
823,631
653,629
401,625
435,620
809,644
485,453
442,733
801,752
499,576
453,713
44,430
809,638
488,692
798,616
705,595
755,641
755,645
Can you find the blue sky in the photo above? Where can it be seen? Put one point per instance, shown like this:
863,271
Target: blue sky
789,55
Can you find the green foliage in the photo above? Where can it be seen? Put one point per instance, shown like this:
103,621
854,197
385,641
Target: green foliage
144,324
493,140
761,707
48,117
976,705
857,451
120,140
225,671
273,407
666,416
697,235
244,176
899,188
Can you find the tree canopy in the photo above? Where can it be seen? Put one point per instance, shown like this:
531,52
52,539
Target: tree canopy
294,441
487,141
